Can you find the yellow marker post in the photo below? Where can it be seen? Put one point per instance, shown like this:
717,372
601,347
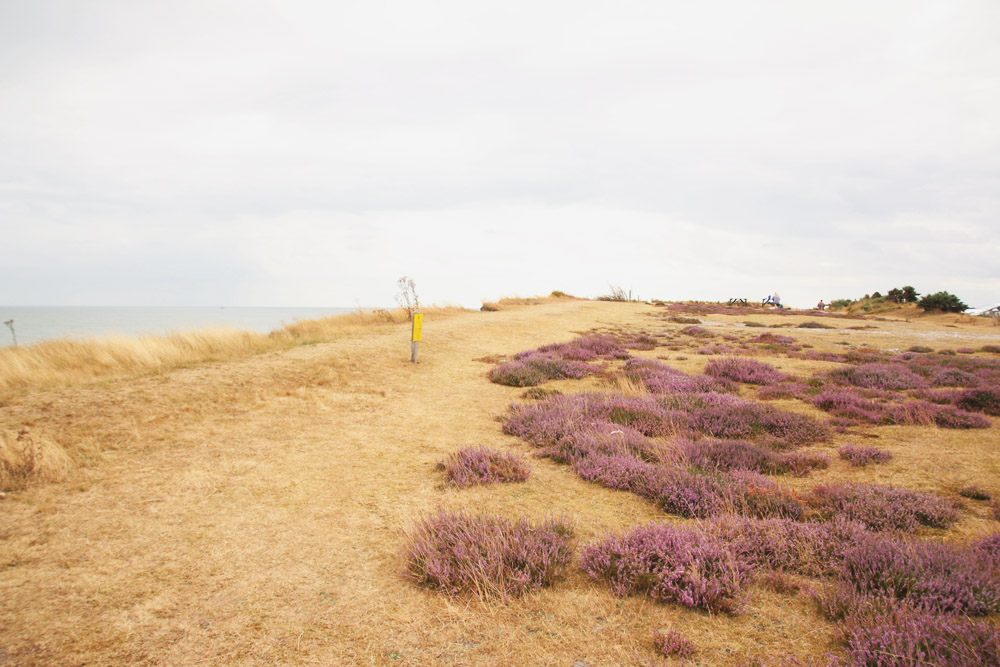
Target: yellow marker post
418,335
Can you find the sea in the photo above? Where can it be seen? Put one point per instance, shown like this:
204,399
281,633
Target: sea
34,324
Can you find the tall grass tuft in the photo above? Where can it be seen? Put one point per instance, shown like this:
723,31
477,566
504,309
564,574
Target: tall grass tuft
71,362
26,457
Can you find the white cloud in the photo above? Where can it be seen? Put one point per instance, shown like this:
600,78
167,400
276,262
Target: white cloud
318,151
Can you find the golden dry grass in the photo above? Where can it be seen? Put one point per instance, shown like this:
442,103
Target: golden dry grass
70,362
250,510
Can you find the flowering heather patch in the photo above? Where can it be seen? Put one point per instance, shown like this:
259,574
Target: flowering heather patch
670,564
809,548
673,644
878,376
585,348
848,403
662,379
989,548
954,377
487,556
995,349
768,338
539,393
863,455
883,507
935,577
900,636
733,418
640,342
712,455
697,332
482,465
964,350
985,400
743,369
535,368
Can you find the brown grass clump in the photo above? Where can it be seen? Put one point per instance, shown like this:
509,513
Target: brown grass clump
26,458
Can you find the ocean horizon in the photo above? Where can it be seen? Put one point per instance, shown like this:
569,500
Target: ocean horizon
35,324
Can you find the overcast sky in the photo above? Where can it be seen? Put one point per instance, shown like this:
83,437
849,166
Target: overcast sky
302,153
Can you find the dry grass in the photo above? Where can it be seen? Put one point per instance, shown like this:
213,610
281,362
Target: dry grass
72,362
251,510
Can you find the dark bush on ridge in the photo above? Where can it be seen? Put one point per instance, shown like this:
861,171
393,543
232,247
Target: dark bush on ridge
743,369
883,507
487,556
670,564
863,455
482,465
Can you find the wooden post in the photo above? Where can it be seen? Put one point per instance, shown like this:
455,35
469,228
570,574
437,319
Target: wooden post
417,335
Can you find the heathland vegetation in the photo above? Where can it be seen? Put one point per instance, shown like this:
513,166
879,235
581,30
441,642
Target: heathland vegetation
571,482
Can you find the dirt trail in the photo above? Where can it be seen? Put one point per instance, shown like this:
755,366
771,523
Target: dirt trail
252,513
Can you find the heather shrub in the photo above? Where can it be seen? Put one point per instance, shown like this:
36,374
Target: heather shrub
812,324
799,464
538,367
670,564
751,494
585,348
673,644
900,636
964,350
810,548
935,577
712,455
989,548
847,403
733,418
953,377
878,376
863,455
920,349
486,556
883,507
662,379
995,349
482,465
743,369
768,338
974,493
697,332
640,342
980,400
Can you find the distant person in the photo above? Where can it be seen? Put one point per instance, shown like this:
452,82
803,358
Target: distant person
776,300
820,305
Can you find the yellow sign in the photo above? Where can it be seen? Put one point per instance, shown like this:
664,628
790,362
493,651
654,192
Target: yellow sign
418,326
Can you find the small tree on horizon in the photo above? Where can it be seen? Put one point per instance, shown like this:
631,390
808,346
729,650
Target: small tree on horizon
407,296
943,301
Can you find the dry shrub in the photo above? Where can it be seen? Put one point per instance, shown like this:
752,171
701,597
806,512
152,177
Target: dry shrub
482,465
27,458
487,556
